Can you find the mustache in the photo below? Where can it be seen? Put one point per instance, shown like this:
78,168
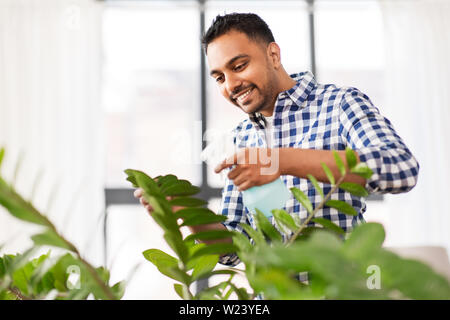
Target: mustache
238,90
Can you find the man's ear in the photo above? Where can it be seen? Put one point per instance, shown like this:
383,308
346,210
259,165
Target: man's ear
273,53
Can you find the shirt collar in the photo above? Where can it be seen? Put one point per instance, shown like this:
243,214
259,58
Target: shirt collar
305,83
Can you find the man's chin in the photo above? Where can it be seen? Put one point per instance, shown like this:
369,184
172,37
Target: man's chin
248,109
252,108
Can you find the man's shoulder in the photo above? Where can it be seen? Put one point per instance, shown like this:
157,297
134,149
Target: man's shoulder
336,91
332,89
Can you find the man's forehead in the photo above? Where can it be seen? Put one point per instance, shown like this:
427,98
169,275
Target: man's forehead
228,47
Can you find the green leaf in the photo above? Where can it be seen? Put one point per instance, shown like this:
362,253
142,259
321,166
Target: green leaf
215,248
316,185
279,285
2,154
204,266
203,219
285,219
328,173
414,279
364,239
307,233
133,181
119,289
354,188
175,241
362,170
242,242
329,225
339,162
51,238
256,235
166,264
43,265
303,199
160,258
342,206
187,202
180,188
7,295
264,224
131,178
19,207
350,157
240,292
211,293
192,212
167,222
209,235
165,181
178,289
17,168
147,184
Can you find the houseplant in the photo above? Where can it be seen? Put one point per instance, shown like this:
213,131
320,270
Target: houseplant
337,263
48,276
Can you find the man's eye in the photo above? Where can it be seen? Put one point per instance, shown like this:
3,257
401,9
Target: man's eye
219,79
240,66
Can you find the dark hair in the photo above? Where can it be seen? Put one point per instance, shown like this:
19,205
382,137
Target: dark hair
248,23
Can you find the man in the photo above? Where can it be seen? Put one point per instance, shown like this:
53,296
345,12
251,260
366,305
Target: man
298,120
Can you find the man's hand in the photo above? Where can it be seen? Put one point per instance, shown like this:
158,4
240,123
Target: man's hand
138,193
252,167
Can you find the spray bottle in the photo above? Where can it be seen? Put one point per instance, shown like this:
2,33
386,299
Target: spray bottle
265,198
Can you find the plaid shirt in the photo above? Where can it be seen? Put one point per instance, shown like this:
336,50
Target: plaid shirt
324,117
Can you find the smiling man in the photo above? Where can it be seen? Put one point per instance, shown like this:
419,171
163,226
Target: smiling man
300,119
296,122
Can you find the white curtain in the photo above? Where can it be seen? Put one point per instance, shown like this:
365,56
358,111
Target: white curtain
50,115
417,36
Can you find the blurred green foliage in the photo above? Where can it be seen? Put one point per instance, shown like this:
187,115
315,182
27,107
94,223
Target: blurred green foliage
338,264
63,277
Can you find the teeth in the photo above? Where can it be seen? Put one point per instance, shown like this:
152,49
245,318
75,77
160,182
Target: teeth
244,95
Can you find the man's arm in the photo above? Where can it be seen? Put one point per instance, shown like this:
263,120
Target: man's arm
363,129
301,162
257,166
373,136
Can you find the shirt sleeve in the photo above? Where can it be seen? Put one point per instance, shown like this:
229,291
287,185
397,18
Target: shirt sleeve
373,137
233,208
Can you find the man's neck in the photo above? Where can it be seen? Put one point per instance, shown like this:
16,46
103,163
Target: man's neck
286,82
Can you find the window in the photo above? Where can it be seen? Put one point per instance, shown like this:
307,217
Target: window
151,90
350,45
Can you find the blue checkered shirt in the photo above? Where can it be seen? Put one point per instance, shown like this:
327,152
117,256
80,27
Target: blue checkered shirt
324,117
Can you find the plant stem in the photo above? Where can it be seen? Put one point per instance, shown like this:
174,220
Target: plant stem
106,290
18,294
320,206
29,206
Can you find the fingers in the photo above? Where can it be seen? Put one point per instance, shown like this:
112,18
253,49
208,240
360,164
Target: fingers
244,186
234,173
239,180
227,163
137,193
143,201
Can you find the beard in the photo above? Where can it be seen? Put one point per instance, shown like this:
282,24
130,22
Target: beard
268,97
267,101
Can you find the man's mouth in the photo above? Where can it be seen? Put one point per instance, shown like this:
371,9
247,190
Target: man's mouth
243,97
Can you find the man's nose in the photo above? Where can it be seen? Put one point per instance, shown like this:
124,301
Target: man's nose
233,85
